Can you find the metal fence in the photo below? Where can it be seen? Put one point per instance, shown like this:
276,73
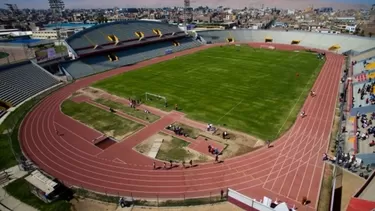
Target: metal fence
340,139
156,200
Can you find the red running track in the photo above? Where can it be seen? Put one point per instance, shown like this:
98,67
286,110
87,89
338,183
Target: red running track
290,170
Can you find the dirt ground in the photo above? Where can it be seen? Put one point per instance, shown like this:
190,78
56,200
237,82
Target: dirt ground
237,143
89,92
93,205
146,146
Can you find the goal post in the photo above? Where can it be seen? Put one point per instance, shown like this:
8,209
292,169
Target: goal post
151,96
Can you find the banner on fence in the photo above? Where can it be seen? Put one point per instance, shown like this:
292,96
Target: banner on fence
168,51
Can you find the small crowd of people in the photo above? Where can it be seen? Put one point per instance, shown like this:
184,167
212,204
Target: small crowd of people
213,150
366,123
367,89
210,127
343,78
177,130
133,103
321,55
349,162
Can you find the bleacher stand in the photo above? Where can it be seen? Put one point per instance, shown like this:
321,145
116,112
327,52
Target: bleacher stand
124,30
21,81
112,45
361,133
307,39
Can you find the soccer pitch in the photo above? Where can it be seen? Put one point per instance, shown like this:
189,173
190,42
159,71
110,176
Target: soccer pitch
256,91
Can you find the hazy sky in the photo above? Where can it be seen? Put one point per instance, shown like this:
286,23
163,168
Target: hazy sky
211,3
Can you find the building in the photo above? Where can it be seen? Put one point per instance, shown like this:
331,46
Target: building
46,189
324,10
52,34
345,20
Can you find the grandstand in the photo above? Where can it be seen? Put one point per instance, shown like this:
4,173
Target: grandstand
117,44
333,42
21,81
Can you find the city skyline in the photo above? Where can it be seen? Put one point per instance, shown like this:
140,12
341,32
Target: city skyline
292,4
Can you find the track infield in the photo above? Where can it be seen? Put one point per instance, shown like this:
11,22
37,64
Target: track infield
256,91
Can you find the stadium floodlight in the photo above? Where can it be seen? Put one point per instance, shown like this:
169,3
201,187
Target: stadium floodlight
57,6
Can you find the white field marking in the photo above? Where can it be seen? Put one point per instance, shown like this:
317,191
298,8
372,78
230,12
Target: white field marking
295,104
230,110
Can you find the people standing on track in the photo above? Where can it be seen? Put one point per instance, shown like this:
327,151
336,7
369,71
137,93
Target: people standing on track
171,162
165,165
191,163
268,143
303,114
183,164
154,164
312,93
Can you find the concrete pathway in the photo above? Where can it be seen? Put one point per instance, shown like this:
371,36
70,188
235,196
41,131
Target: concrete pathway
8,202
155,148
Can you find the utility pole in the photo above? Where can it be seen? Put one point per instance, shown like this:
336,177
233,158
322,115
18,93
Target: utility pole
186,6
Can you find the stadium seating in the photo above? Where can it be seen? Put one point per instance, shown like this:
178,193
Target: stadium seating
96,64
22,81
307,39
124,30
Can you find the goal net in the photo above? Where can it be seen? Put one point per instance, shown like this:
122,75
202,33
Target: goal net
156,98
268,47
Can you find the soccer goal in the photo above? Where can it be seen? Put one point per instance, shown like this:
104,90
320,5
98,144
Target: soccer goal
156,97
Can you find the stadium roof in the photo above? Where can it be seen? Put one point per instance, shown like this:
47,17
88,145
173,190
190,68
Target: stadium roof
112,35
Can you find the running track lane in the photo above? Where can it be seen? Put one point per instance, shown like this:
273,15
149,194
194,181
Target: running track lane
288,171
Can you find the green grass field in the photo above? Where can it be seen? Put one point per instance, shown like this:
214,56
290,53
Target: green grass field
140,114
251,90
99,119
